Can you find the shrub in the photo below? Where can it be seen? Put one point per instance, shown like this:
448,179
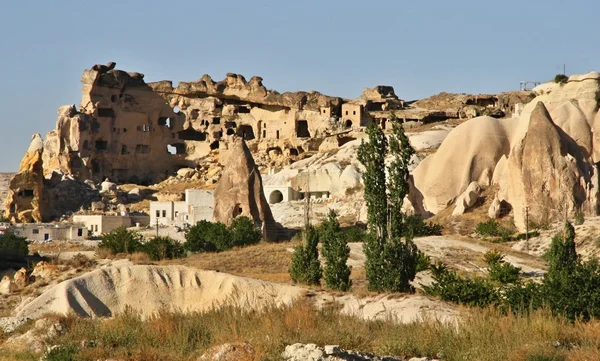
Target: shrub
205,236
468,291
305,267
354,234
423,262
500,270
159,248
61,353
336,253
579,218
11,244
561,78
417,227
121,240
80,261
244,232
492,228
400,258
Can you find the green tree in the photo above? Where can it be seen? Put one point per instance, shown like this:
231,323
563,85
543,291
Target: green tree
13,247
159,248
499,270
336,252
306,268
391,261
121,240
206,236
244,232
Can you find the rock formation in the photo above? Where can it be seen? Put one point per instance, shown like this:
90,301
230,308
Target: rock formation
26,200
467,199
240,192
546,159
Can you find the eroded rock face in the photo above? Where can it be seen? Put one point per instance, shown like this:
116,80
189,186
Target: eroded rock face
26,200
543,175
240,192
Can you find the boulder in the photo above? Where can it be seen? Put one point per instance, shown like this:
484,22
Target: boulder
495,208
98,206
21,279
44,270
349,179
467,199
7,286
240,191
186,172
108,187
134,195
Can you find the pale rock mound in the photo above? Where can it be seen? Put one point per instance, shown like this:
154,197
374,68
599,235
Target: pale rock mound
44,270
495,208
147,289
240,191
467,199
543,175
21,279
7,286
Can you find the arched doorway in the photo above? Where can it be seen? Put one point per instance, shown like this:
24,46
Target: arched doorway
275,197
348,123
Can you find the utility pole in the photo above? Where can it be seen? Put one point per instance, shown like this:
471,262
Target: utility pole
307,204
156,227
564,69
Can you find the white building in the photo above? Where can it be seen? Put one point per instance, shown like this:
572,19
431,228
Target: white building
198,205
97,225
38,232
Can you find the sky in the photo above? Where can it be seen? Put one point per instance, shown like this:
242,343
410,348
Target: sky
336,47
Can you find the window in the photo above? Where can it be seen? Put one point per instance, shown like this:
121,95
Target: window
354,112
164,214
346,112
46,236
79,232
157,214
95,228
36,231
176,213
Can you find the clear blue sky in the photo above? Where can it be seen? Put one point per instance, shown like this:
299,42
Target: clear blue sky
336,47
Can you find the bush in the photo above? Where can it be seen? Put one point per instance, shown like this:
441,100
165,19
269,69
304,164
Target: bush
121,240
500,270
417,227
354,234
244,232
561,78
13,245
305,267
80,261
206,236
467,291
492,228
400,260
159,248
423,262
579,218
336,252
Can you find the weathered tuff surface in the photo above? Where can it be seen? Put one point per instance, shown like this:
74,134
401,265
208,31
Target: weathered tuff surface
545,159
26,200
240,191
4,188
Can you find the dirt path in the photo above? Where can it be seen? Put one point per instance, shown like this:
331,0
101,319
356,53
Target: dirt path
462,254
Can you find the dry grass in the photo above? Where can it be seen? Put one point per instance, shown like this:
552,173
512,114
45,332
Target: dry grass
481,335
59,246
264,261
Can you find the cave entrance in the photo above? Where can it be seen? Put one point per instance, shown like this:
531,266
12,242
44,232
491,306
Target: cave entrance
191,134
245,131
302,129
275,197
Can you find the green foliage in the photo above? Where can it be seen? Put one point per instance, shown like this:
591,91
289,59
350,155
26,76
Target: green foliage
423,262
467,291
244,232
520,298
391,262
579,218
206,236
11,244
336,253
62,353
306,267
400,265
354,234
500,270
561,79
121,240
372,156
417,227
159,248
492,228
